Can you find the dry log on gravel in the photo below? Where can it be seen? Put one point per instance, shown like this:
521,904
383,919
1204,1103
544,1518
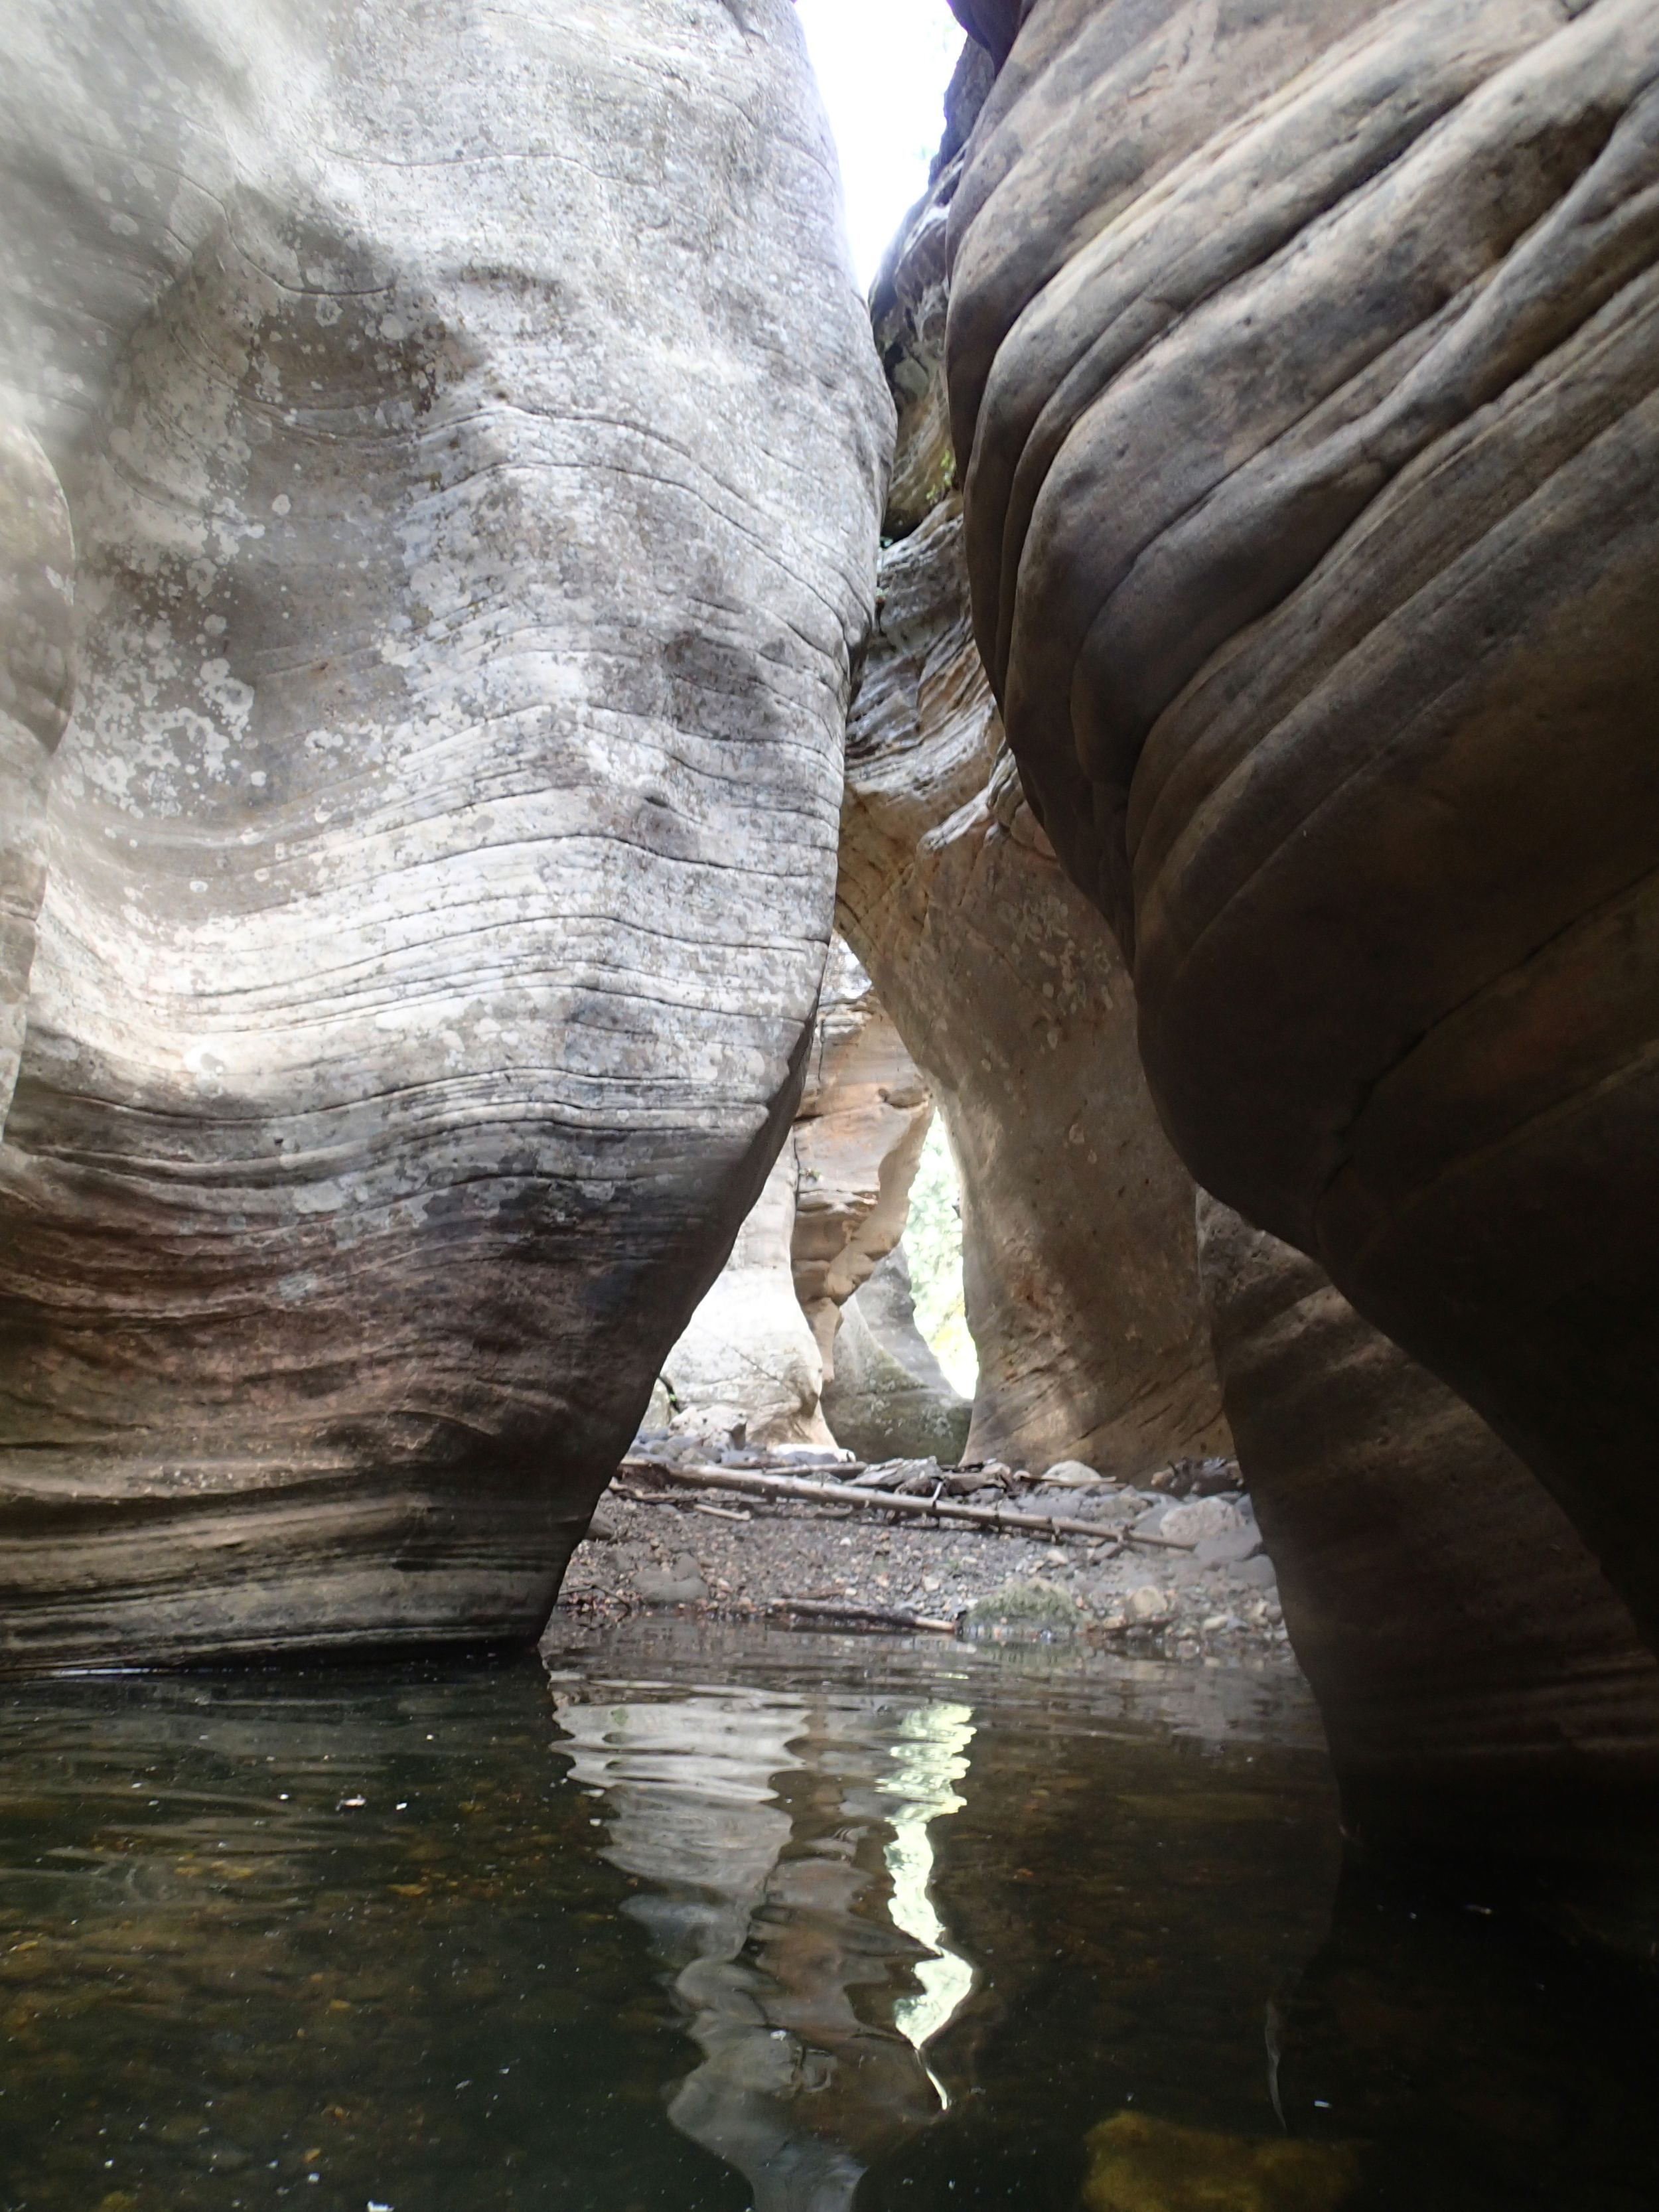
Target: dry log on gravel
933,1509
865,1616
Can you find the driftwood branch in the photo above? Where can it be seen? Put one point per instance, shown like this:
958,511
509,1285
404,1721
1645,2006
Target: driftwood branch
867,1616
1006,1521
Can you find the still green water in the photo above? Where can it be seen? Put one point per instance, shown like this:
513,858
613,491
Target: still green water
696,1917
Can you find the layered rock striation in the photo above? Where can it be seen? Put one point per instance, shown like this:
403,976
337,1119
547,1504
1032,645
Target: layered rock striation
37,683
1479,1677
1078,1256
864,1117
1304,365
440,859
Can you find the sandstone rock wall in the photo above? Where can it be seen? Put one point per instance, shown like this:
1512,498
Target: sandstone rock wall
1079,1261
888,1398
764,1340
1305,366
1081,1273
992,22
440,859
1476,1672
37,665
749,1345
863,1119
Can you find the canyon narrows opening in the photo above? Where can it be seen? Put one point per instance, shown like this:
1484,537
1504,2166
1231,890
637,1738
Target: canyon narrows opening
827,1057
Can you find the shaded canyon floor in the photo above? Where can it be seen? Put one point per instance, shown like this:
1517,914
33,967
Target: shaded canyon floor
714,1553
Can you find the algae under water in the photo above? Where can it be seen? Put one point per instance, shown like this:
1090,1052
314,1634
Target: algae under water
695,1917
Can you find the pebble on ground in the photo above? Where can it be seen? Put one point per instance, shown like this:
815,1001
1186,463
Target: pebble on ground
748,1555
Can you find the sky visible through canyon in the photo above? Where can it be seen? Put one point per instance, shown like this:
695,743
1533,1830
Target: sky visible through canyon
883,66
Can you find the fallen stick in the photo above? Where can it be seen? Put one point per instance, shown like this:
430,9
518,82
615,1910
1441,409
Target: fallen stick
874,1616
1005,1522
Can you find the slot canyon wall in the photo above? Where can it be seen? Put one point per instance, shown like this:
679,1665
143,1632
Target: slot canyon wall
1302,369
763,1342
1303,363
1079,1261
438,867
865,1114
748,1354
864,1118
888,1397
1476,1672
37,663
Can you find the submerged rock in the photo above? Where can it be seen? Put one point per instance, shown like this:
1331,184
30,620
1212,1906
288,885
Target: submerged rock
440,859
1138,2163
1030,1607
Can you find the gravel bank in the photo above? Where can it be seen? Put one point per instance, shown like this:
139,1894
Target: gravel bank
658,1544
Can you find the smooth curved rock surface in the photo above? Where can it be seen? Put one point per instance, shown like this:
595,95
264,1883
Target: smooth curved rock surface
37,683
760,1344
473,448
1079,1265
991,23
749,1345
1479,1680
1307,359
1079,1261
888,1397
864,1118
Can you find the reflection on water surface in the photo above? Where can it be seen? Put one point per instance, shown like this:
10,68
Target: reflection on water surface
716,1917
786,1842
